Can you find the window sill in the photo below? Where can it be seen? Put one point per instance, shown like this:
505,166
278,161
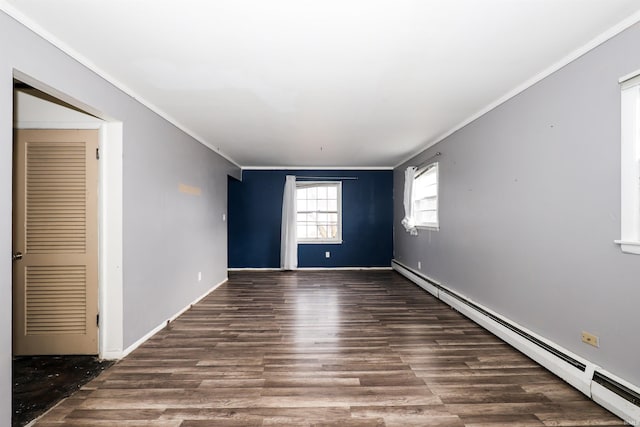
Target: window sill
319,242
428,227
630,247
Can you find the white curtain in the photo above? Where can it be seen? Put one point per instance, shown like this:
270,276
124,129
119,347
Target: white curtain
409,221
288,235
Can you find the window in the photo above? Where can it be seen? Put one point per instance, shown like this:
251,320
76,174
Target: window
319,212
425,197
630,164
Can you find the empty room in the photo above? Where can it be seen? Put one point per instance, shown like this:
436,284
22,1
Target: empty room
298,213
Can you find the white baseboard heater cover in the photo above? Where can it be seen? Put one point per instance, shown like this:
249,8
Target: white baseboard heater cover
614,394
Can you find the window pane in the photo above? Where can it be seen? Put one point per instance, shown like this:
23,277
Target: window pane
426,217
312,192
430,203
312,205
322,192
332,192
318,211
425,197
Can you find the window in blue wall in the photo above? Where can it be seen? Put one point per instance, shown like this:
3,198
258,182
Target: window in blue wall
319,212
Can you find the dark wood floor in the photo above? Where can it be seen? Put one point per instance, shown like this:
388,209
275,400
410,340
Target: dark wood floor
325,348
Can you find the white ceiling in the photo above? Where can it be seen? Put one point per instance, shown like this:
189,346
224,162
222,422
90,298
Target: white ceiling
341,83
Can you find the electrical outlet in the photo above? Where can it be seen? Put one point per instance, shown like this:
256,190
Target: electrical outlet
199,276
327,254
224,217
590,339
419,265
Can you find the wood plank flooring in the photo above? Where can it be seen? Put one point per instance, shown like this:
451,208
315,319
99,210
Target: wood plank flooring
348,348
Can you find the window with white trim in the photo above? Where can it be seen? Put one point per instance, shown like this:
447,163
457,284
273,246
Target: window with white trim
630,165
425,197
319,212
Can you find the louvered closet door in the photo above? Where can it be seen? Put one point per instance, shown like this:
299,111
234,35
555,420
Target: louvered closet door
55,284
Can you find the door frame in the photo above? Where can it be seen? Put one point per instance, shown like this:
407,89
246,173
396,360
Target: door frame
110,208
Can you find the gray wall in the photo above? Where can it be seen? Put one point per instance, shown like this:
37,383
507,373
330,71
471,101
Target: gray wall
530,207
169,235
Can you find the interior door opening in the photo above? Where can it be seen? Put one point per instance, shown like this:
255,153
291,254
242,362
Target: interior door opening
55,227
40,106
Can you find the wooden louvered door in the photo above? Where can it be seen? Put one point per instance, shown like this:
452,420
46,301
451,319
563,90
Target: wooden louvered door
55,283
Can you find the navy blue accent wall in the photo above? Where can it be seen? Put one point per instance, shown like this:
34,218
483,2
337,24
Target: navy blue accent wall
255,216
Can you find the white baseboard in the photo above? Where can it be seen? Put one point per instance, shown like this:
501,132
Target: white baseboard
344,268
581,380
139,342
409,274
615,403
313,269
574,376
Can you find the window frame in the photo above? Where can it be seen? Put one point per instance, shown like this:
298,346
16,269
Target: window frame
630,164
314,241
420,172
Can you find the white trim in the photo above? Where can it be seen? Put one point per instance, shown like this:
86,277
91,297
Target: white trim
40,31
595,42
574,376
266,269
326,241
424,284
57,125
628,246
626,78
318,168
344,268
630,166
158,328
111,297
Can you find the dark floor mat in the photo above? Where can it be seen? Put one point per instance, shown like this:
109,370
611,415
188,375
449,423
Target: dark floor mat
39,382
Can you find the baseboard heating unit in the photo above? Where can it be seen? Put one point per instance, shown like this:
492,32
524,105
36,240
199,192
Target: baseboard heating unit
604,388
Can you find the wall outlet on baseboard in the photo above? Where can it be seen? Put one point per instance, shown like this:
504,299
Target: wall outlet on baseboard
199,276
419,265
327,254
590,339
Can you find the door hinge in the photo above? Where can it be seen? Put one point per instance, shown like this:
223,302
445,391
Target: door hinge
98,319
97,154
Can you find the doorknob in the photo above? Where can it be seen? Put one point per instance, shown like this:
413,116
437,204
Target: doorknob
17,256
